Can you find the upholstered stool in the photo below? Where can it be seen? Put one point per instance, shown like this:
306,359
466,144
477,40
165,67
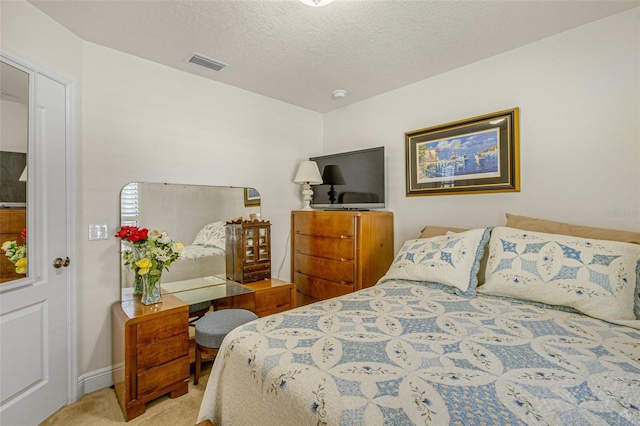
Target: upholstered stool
198,310
213,328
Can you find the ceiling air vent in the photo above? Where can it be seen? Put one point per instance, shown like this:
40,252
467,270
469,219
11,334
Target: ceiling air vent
203,61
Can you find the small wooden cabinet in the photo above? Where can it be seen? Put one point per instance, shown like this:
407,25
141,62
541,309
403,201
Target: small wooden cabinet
339,252
248,250
269,296
150,350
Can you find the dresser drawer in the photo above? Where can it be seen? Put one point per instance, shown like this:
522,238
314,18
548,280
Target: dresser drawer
319,288
163,376
163,351
327,225
257,267
273,301
329,247
168,326
256,276
328,269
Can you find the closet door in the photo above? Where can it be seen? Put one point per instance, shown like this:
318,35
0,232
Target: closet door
35,314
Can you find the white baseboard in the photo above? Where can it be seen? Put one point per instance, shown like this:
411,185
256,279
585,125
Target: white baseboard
94,380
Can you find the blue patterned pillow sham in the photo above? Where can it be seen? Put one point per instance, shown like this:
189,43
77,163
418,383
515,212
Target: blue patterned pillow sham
596,277
449,260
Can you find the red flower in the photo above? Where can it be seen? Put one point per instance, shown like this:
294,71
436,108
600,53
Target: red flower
23,234
133,233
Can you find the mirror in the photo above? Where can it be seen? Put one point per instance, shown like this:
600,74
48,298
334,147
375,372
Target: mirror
14,140
193,215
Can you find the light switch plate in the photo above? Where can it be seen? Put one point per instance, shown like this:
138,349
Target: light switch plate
98,232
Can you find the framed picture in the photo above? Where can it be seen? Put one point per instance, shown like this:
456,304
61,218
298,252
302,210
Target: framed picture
251,197
475,155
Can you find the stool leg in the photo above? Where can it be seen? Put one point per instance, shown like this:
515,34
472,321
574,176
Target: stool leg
196,375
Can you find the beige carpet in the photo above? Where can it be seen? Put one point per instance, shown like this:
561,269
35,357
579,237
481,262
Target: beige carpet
100,408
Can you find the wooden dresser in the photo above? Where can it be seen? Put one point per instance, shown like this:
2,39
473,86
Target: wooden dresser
150,349
338,252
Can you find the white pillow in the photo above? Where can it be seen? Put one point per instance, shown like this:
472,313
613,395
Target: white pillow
595,277
207,233
450,260
217,238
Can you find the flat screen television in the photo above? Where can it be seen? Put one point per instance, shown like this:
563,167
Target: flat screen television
353,180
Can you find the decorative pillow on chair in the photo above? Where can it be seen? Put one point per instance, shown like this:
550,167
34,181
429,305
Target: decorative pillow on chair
451,260
207,233
596,277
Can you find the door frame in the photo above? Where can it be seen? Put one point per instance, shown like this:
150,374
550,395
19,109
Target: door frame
33,67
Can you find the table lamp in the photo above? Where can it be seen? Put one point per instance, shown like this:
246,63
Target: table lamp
308,174
332,175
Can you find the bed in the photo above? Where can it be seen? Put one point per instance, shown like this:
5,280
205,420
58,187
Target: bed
551,336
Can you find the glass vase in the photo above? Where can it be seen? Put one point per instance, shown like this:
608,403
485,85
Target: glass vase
138,253
151,287
137,288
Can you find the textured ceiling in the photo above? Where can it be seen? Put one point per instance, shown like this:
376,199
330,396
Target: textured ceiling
300,54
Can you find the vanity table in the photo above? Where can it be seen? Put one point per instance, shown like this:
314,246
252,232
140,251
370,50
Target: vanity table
151,345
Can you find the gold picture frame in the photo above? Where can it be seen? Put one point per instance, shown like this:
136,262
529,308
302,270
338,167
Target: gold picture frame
474,155
251,197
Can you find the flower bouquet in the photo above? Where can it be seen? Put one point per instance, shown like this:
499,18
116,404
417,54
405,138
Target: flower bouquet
148,254
17,254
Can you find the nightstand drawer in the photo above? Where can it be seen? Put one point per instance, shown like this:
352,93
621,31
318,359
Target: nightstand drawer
163,351
328,269
152,331
273,301
164,375
326,225
329,247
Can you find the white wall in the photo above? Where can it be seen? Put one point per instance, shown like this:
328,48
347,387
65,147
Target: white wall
579,99
13,126
149,123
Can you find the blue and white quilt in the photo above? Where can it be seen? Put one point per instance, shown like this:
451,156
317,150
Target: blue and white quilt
403,353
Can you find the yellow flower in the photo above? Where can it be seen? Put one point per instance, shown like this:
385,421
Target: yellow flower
144,264
21,266
6,245
179,247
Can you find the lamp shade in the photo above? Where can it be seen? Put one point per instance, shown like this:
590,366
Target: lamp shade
23,176
308,173
332,175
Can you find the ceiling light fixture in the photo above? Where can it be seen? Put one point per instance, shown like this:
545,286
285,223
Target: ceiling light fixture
339,94
316,3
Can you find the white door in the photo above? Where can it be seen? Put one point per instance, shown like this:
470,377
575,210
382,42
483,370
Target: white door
35,310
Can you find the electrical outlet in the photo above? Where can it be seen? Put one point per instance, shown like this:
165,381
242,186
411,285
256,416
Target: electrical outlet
98,232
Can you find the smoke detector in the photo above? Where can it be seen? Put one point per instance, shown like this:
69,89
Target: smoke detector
316,3
339,94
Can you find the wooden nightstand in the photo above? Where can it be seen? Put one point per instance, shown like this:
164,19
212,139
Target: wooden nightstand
150,349
269,296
